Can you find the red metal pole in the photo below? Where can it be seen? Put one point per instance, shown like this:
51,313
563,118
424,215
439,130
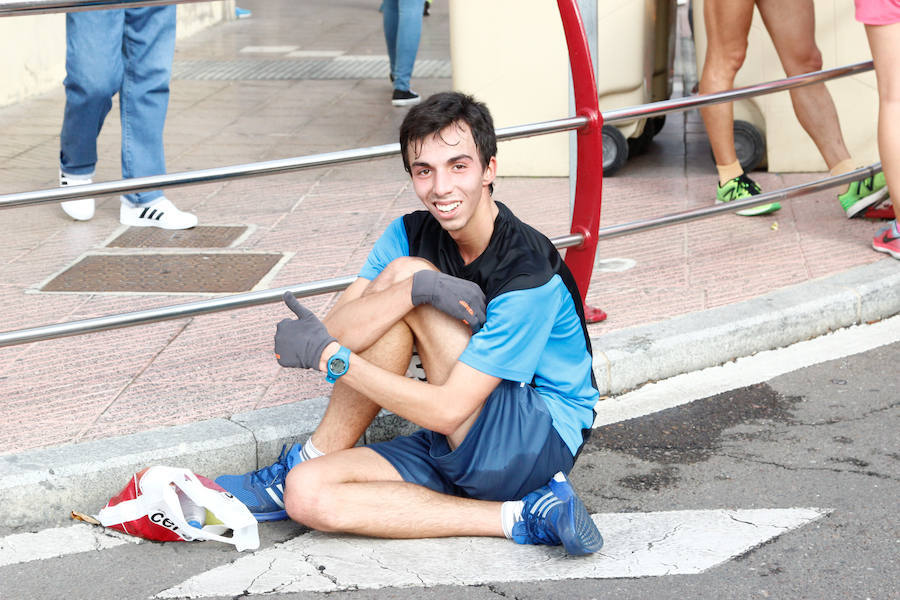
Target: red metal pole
589,173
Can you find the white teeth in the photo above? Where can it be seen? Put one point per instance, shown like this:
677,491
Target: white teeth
447,207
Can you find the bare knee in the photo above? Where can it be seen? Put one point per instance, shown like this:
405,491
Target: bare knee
804,60
307,497
398,270
722,65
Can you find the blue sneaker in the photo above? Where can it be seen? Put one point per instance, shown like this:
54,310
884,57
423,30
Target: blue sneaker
242,13
555,515
262,491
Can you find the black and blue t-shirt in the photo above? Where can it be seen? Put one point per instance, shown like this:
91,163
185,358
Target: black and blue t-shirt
534,332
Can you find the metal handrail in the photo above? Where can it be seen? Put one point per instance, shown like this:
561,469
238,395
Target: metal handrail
257,169
244,300
781,195
271,167
200,307
24,8
685,103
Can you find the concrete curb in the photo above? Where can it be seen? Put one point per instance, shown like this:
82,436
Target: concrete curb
39,488
629,358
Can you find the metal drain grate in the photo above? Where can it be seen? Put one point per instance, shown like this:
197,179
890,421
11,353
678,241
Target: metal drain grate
164,273
203,236
344,67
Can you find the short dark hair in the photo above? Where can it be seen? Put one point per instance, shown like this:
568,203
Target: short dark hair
442,110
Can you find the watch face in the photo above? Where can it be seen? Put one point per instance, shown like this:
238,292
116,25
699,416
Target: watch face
338,366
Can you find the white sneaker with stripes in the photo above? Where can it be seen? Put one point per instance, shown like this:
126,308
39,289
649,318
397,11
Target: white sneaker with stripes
80,210
159,213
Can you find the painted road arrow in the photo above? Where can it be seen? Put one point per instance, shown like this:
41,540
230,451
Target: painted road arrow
637,545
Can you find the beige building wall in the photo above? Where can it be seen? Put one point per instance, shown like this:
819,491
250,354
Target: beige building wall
842,41
512,55
33,49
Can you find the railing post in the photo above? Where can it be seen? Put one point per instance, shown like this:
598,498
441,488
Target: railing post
589,173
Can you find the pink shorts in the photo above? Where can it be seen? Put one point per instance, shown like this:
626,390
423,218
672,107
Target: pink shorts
878,12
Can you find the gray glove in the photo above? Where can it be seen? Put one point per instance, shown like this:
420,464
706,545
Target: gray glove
459,298
300,342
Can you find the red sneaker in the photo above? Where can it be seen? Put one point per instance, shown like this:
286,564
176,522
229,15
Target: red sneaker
884,210
886,242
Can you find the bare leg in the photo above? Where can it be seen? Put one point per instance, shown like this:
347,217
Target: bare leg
349,413
358,491
439,339
884,40
727,26
791,25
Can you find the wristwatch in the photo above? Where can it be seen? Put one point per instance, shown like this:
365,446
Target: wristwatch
338,364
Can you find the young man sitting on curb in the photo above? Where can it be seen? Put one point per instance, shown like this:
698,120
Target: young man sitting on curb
498,323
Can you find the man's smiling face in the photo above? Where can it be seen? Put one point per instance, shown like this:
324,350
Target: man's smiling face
448,176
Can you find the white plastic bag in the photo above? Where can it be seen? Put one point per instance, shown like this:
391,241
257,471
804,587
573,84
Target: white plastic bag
150,507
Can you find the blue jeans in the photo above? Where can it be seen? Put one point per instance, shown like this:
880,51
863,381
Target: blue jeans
402,30
126,51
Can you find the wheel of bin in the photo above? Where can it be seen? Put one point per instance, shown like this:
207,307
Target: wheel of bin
655,124
615,149
749,144
638,145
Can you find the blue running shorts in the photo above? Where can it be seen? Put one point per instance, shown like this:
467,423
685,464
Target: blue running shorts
512,449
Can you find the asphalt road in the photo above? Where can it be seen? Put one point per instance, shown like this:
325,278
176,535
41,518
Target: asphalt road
821,437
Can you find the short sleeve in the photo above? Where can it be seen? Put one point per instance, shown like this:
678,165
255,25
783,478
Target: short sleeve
515,333
392,244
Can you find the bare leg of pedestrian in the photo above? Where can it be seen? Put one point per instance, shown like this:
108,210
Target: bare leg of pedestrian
884,40
792,26
727,26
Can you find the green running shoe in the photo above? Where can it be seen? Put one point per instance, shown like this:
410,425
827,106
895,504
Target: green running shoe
744,187
862,194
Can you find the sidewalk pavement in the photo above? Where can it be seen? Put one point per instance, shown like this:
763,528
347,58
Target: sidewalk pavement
81,414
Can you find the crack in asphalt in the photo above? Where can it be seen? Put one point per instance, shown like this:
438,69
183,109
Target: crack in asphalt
255,579
667,535
797,468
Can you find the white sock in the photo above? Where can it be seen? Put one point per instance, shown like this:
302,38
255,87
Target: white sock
310,451
510,514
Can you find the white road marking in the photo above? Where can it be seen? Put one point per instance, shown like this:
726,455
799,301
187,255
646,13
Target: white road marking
637,545
50,543
760,367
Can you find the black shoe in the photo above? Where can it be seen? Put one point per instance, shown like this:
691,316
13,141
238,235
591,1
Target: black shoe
404,98
427,6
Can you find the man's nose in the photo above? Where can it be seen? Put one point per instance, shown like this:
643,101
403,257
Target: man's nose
442,183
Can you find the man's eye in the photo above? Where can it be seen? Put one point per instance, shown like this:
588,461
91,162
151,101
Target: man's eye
423,172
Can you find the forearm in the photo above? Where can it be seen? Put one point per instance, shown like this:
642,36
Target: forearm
363,320
433,407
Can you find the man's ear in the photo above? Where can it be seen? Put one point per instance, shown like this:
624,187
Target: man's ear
490,172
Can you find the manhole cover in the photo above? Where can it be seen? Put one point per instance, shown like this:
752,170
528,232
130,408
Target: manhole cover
164,273
204,236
